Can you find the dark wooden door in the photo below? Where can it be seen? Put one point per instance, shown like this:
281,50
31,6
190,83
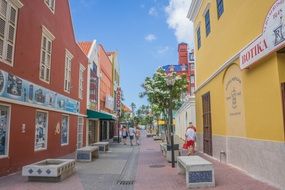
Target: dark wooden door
207,124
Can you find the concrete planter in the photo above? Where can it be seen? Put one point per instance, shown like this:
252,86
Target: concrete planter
176,152
49,170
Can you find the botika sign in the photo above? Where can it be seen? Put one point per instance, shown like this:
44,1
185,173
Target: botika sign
272,38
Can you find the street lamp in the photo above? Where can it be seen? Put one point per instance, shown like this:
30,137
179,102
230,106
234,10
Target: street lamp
170,81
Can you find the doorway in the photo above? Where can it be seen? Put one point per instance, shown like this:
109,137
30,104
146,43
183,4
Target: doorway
207,124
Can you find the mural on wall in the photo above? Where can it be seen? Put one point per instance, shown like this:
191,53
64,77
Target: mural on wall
234,102
41,130
64,130
15,88
4,119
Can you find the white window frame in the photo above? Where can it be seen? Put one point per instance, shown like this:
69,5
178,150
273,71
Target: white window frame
68,122
81,81
46,135
8,131
51,5
67,71
80,126
15,4
44,62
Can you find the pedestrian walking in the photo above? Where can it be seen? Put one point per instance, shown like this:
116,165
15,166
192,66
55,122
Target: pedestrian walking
132,134
125,134
138,134
190,138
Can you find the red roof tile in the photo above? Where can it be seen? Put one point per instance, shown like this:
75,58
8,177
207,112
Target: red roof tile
85,46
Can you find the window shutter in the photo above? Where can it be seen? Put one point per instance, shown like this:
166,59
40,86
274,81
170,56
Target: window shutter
9,52
3,8
2,27
11,33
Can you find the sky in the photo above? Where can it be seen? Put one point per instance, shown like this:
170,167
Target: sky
145,33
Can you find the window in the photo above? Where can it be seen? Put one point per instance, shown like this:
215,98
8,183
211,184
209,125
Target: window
207,22
4,130
192,90
199,37
46,50
81,80
50,4
192,66
64,130
80,132
8,23
93,96
220,7
67,71
41,130
192,79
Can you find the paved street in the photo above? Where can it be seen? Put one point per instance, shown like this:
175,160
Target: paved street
139,168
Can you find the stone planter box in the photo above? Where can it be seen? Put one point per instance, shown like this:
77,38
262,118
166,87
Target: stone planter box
103,146
176,152
199,172
52,170
87,153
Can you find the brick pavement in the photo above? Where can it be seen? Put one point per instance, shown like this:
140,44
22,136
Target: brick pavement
167,178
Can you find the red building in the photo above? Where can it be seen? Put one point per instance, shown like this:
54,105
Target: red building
107,127
187,58
42,83
185,66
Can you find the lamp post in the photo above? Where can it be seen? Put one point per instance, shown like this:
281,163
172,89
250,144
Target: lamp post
170,81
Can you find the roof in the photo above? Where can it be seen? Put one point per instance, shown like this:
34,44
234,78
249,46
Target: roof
85,46
110,53
126,108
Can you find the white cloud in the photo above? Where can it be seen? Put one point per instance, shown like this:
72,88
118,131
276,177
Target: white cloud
177,19
150,37
152,11
162,50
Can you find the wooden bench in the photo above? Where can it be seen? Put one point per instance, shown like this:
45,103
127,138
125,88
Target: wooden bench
87,153
49,170
103,146
199,172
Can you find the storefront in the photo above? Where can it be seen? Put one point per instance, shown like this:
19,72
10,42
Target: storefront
101,126
240,86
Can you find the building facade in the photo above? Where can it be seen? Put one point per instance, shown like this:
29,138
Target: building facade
106,94
90,49
42,83
239,57
186,113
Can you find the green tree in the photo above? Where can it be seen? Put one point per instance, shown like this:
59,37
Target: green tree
160,95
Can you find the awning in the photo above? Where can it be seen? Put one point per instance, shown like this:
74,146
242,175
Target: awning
91,114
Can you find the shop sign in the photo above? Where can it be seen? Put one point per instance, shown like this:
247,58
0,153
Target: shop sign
15,88
118,99
272,38
109,102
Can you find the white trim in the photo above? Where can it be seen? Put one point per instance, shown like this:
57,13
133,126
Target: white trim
194,9
52,9
48,40
91,49
9,129
38,106
46,135
68,131
81,133
67,53
47,33
17,3
206,9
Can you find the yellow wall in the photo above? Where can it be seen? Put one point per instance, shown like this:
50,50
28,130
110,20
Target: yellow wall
240,23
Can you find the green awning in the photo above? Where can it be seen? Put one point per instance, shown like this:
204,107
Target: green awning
91,114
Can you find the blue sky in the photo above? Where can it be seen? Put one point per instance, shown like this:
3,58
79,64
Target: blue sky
144,32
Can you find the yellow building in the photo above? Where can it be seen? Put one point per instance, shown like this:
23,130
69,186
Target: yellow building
240,76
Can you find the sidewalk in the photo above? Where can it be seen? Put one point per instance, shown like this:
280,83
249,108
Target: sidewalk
104,173
167,178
